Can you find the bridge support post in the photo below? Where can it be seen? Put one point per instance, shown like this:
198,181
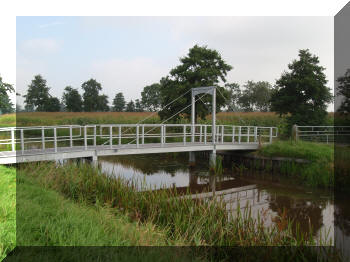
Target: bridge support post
94,161
192,159
212,159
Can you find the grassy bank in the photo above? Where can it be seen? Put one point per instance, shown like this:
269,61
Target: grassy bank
319,172
194,222
7,210
46,218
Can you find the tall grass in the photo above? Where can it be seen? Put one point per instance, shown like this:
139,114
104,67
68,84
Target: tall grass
7,210
197,222
45,218
319,172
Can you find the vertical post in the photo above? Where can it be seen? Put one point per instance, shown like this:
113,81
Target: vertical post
184,137
55,138
94,136
137,136
22,141
143,134
95,160
110,137
239,134
248,134
70,137
43,138
270,134
256,134
13,139
222,134
161,134
164,134
233,134
217,133
192,159
119,134
214,114
205,134
295,132
85,138
200,134
193,115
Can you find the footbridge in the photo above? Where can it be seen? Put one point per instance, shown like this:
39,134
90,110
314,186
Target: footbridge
47,143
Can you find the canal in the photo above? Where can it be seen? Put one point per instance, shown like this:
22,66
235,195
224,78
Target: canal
267,195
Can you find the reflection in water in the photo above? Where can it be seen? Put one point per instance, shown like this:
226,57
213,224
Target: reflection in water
313,209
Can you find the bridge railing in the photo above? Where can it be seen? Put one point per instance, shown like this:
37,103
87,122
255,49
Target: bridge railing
40,138
325,134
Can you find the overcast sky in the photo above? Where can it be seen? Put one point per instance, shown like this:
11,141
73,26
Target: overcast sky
125,54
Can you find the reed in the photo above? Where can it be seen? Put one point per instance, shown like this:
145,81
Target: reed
319,172
197,222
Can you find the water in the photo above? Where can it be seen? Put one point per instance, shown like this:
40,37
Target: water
267,197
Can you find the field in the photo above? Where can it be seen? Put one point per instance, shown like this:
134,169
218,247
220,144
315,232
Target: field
82,118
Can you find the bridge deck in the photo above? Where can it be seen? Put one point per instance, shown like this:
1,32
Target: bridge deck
48,154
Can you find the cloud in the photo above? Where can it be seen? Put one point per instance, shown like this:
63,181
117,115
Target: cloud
46,45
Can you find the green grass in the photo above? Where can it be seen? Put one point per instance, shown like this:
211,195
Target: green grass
303,150
7,210
45,218
197,222
78,205
318,173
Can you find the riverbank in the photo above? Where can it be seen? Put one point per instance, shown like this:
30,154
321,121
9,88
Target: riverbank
309,163
184,220
79,205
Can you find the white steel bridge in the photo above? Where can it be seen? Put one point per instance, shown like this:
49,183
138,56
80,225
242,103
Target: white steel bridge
44,143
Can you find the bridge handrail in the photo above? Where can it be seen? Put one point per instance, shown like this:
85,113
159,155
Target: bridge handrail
321,133
88,136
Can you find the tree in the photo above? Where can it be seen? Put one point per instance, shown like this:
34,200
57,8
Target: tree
130,107
37,95
138,106
102,103
234,93
302,94
150,97
18,108
72,100
91,92
344,90
6,105
52,105
201,67
256,96
119,102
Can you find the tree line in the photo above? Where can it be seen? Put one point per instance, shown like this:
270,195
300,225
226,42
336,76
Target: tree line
301,93
39,99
